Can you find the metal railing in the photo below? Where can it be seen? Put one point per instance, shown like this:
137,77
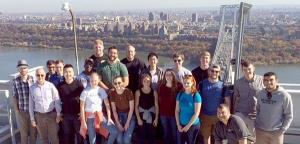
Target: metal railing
6,115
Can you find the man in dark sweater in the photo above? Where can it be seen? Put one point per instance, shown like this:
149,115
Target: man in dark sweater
99,56
201,72
69,91
231,128
134,66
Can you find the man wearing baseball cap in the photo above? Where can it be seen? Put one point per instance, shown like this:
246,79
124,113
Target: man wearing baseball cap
20,99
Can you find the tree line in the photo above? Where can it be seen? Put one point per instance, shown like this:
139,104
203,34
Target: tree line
260,50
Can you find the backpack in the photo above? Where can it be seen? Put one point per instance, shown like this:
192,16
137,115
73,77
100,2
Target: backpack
180,93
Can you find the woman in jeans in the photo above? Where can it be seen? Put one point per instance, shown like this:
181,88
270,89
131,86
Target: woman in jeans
91,111
188,105
146,110
122,103
167,91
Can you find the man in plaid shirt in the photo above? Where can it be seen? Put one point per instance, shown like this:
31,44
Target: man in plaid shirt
20,99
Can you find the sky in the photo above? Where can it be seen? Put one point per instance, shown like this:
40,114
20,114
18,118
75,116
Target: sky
20,6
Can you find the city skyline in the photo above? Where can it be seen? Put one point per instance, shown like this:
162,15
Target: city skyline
34,6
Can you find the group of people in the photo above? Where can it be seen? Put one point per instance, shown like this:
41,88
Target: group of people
112,98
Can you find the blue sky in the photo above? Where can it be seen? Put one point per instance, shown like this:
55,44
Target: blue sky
16,6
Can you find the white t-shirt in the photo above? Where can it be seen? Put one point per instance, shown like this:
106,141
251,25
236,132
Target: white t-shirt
181,73
93,98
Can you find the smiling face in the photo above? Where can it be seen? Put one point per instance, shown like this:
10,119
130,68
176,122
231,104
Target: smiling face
88,67
214,73
153,61
51,68
223,113
94,80
270,82
112,54
40,76
60,68
169,76
69,73
118,83
204,61
130,53
188,84
248,71
98,48
146,81
23,70
178,62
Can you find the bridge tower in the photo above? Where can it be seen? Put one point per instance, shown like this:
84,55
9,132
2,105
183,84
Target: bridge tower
230,40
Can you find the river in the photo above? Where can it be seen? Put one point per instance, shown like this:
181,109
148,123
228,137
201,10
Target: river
287,73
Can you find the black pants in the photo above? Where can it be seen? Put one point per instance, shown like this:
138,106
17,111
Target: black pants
71,127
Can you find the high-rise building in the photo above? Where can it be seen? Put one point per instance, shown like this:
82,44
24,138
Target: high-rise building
151,17
194,17
161,15
163,32
79,21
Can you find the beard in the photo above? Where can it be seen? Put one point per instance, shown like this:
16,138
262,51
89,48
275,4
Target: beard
112,58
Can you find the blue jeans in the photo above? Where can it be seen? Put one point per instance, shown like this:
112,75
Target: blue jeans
71,126
109,126
190,136
169,130
125,137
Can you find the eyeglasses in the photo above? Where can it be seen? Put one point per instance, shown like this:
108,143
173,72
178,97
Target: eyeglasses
39,75
51,67
177,60
117,83
214,71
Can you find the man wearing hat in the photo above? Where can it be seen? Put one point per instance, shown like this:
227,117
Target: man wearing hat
20,99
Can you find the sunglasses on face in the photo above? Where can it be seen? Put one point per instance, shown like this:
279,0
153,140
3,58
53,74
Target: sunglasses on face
269,95
177,60
214,71
117,83
39,75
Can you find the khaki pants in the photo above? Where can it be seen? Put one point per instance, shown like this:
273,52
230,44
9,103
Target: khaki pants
47,127
208,125
27,131
265,137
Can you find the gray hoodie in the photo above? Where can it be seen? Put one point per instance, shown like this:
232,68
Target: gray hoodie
275,113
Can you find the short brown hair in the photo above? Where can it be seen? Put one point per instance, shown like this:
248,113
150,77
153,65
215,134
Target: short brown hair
112,47
215,66
176,55
205,53
50,62
59,61
223,105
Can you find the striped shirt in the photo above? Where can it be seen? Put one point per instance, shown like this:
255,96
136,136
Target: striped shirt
21,92
43,99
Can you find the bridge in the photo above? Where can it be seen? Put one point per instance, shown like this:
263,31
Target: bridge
229,46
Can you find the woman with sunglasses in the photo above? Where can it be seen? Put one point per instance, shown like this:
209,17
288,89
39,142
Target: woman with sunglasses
167,91
188,105
146,110
122,103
